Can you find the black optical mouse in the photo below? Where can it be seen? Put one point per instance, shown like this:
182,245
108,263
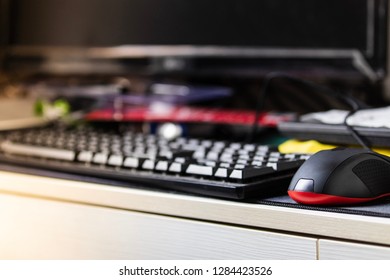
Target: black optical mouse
341,176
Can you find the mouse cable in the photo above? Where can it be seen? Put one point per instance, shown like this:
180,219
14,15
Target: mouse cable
354,133
350,101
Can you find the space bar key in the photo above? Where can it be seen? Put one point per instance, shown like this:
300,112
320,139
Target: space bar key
29,150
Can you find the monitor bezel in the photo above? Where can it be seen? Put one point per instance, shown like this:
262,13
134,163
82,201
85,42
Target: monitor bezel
372,60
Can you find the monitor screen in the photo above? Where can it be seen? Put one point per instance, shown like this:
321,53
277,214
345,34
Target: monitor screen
263,28
266,23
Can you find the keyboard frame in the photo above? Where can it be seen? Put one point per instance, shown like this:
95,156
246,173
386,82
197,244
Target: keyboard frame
271,184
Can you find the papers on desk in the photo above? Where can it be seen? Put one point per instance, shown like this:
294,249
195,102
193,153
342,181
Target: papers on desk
378,117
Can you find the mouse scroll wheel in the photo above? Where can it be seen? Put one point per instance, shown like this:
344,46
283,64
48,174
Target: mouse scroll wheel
304,185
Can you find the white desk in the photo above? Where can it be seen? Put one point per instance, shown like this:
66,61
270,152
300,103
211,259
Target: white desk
51,218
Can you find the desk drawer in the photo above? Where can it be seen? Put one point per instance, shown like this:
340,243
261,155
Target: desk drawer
337,250
34,228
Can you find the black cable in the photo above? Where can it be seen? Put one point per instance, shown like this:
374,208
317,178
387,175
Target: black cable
353,132
353,103
261,101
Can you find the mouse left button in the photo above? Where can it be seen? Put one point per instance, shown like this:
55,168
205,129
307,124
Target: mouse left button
304,185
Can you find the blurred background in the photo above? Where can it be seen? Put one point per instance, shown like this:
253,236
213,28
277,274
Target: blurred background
202,54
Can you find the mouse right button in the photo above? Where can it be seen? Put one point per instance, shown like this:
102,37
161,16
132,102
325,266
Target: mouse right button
304,185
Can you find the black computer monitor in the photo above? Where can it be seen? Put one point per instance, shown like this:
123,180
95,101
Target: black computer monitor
226,30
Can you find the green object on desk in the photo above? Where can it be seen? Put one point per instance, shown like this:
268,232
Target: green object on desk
58,108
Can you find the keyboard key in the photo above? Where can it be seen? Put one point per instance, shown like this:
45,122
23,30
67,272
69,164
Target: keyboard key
85,156
131,162
245,157
100,158
226,156
248,173
290,156
210,163
166,154
249,147
225,165
304,157
263,148
221,172
115,160
148,164
212,155
242,161
235,146
180,160
285,165
175,167
259,158
274,165
243,152
206,143
219,144
257,163
27,150
199,170
162,165
200,153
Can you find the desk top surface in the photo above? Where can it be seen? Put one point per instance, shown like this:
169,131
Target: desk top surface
269,217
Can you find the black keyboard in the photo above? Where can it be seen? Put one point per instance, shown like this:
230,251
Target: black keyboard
199,166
